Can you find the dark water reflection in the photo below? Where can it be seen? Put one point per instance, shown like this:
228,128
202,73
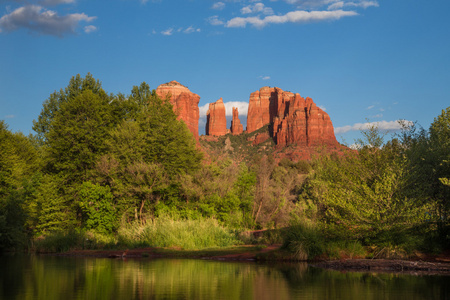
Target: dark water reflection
48,277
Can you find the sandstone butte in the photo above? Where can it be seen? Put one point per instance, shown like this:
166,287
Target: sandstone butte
216,122
185,103
236,126
294,120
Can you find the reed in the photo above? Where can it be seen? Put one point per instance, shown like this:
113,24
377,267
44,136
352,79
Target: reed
179,234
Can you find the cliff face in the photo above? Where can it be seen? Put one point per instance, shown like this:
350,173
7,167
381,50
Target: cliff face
216,122
294,120
236,126
185,103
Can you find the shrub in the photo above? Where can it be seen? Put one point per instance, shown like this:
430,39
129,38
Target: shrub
304,242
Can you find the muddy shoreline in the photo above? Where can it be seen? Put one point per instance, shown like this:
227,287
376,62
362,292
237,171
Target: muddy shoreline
431,266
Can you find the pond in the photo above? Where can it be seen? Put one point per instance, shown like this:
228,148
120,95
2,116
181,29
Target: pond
53,277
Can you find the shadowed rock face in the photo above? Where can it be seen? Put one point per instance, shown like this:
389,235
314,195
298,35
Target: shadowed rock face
216,122
294,120
236,126
185,103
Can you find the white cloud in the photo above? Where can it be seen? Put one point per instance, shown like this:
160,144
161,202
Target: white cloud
322,107
364,4
218,5
171,30
257,8
10,116
241,106
57,2
203,109
168,31
214,20
90,28
264,77
332,4
310,4
42,21
299,16
191,29
381,125
336,5
370,107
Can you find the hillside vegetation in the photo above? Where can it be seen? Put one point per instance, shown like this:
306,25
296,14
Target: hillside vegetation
108,170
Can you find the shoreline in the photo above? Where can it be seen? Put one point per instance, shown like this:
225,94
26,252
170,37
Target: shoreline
430,266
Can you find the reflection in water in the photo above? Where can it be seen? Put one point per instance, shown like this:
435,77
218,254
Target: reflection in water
47,277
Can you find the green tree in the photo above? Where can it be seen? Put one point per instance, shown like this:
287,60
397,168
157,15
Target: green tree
52,210
365,195
51,106
428,156
77,136
96,203
18,163
147,151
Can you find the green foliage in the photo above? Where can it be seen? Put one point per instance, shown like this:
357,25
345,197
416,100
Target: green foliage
428,156
51,210
76,138
18,163
364,195
13,234
96,203
304,242
52,105
59,241
185,234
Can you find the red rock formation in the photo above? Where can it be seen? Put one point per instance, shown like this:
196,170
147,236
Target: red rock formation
261,138
265,105
294,119
305,124
236,126
216,122
185,103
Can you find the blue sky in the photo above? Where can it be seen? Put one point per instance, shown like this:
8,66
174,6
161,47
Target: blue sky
357,59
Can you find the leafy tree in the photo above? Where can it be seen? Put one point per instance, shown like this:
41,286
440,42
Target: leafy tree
18,163
96,203
76,138
440,150
51,106
364,195
52,210
428,155
146,151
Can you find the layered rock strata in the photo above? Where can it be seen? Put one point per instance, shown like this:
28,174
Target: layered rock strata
294,120
216,122
185,103
236,126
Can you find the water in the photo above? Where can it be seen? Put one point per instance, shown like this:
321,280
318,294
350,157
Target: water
50,277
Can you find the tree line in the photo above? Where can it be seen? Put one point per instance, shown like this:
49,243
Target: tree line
99,162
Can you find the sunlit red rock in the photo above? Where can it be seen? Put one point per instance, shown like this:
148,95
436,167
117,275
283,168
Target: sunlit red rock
216,122
294,120
236,126
185,103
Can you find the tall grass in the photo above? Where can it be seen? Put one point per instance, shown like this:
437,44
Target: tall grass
304,242
308,242
183,234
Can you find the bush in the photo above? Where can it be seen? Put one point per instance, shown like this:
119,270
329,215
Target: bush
60,241
304,242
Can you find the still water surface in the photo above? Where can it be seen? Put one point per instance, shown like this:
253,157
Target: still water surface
49,277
